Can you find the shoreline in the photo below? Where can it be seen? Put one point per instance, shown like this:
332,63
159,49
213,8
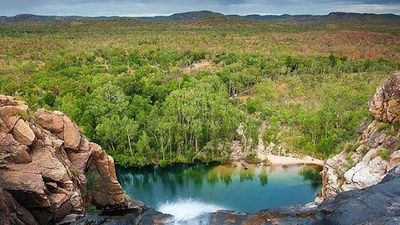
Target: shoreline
275,160
271,160
262,159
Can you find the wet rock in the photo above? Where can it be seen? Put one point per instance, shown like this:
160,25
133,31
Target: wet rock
68,219
91,220
228,217
152,217
148,217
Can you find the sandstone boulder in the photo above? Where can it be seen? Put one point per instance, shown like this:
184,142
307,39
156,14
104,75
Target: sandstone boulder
10,111
52,121
23,133
11,150
71,134
11,212
385,105
104,171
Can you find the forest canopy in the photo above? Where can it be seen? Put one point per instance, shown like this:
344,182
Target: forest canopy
150,98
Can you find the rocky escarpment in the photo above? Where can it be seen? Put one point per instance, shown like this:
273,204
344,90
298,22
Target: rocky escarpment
377,149
50,172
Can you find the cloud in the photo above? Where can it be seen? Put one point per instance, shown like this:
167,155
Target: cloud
372,8
166,7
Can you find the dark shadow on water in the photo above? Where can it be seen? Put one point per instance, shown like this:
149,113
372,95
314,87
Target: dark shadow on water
263,176
312,175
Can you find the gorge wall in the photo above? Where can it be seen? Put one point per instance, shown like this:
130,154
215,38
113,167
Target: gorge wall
366,161
49,171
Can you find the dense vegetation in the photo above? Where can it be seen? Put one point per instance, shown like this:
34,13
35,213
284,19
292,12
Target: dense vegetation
164,92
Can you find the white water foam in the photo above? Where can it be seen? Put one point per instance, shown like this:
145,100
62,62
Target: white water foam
189,211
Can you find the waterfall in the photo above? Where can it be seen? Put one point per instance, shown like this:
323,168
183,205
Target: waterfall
189,211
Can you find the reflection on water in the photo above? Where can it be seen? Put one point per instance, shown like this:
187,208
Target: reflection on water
227,187
312,175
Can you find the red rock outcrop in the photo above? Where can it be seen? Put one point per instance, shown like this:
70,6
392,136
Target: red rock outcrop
45,164
11,212
385,105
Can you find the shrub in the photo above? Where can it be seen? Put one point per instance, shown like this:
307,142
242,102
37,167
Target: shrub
362,150
349,161
252,106
394,128
92,181
195,56
252,158
384,154
349,147
49,99
226,59
127,195
27,67
92,210
382,125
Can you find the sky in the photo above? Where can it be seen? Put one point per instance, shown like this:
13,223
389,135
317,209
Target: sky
167,7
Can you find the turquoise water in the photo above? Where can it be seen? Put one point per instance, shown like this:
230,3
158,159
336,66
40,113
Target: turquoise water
211,187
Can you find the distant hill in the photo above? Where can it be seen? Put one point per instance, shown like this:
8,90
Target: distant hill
193,15
196,15
330,16
31,18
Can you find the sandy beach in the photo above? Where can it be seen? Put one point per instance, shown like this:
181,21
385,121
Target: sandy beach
275,160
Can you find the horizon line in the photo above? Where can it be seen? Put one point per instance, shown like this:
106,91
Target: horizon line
166,15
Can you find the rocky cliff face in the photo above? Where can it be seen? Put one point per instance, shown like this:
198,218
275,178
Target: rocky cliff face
377,149
49,170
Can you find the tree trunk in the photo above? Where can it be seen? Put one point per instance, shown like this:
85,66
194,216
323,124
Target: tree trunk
129,141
